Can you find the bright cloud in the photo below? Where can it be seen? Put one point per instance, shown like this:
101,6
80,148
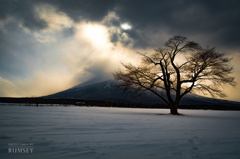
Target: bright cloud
45,38
56,22
55,19
126,26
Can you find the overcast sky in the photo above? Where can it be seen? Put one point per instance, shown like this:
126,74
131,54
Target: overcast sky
50,45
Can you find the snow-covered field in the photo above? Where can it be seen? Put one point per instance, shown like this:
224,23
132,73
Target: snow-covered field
124,133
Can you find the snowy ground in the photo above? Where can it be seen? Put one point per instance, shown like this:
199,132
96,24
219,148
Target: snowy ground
124,133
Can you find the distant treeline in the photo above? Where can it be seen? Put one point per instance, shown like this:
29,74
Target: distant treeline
34,100
80,102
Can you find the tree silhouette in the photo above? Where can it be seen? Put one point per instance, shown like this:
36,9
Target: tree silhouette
204,70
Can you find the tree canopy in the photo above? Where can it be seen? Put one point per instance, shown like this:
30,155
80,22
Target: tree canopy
204,70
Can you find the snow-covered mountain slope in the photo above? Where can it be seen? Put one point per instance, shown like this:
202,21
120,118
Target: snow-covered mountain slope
107,91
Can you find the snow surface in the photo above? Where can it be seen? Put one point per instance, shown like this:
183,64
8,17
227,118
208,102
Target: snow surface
119,133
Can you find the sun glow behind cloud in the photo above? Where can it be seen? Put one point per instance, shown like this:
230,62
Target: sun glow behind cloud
96,34
96,40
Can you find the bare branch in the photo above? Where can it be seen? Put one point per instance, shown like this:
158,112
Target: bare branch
205,70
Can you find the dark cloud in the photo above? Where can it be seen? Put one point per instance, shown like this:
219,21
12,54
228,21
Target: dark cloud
113,22
92,10
7,8
185,17
22,11
34,23
148,18
114,37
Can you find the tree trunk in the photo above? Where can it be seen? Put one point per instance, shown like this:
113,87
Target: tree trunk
174,111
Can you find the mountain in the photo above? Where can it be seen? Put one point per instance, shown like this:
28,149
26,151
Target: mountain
107,91
96,79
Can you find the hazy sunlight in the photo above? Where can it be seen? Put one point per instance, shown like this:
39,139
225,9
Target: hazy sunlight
96,34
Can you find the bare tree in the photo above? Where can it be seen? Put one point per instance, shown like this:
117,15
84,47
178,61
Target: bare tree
204,70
